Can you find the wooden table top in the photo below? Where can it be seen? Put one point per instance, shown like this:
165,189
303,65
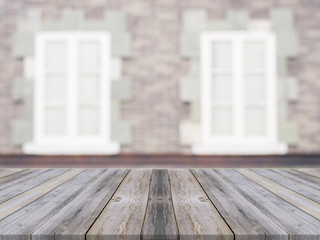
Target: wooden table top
96,204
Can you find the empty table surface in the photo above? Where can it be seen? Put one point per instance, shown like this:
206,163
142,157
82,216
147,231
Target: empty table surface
159,204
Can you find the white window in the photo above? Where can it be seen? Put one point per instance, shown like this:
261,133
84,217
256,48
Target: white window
72,93
239,93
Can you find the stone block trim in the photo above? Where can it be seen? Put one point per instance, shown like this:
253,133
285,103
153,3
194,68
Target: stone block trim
114,22
290,132
22,132
121,89
121,132
281,21
238,19
73,20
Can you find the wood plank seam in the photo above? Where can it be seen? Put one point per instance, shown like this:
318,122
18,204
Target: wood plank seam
123,216
284,193
312,174
78,212
294,181
293,221
234,235
174,211
12,173
145,213
22,186
163,230
5,207
107,203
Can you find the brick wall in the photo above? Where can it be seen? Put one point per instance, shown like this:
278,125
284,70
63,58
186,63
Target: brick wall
155,66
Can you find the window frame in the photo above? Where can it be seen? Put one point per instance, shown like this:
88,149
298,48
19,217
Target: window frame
237,39
72,142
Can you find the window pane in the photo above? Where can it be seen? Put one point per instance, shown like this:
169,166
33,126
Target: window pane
89,55
88,89
254,55
221,55
55,88
255,88
55,121
221,88
255,122
222,121
88,121
56,55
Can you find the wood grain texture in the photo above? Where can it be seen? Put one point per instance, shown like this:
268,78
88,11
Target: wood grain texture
309,206
16,176
299,184
19,185
124,215
22,223
307,179
243,217
77,216
96,204
10,206
8,171
297,223
196,217
159,220
310,171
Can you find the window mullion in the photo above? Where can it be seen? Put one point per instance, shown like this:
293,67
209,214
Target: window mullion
104,103
271,94
206,113
238,88
72,77
39,90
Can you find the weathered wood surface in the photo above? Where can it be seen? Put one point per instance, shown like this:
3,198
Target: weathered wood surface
307,205
197,218
300,183
159,220
294,220
312,172
78,215
108,204
21,184
124,215
244,217
7,172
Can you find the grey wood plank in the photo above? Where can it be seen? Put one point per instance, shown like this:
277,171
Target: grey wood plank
297,223
309,206
310,171
22,223
308,179
159,220
123,216
14,188
77,216
196,217
17,176
8,171
245,219
299,185
10,206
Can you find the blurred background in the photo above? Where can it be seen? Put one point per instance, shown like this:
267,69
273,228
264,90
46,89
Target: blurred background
199,83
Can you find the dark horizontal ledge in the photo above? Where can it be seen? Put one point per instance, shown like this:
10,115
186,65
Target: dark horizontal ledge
159,159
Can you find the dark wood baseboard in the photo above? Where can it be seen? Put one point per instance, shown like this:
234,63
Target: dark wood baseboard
159,160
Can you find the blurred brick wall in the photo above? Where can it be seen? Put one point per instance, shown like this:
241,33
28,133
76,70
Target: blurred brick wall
155,67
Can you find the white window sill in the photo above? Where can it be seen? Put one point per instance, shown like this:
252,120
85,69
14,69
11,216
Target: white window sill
71,149
228,149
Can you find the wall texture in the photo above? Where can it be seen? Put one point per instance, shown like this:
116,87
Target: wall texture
155,67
